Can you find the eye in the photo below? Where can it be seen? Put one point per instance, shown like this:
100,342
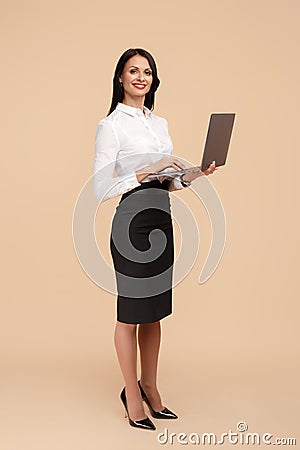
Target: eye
148,72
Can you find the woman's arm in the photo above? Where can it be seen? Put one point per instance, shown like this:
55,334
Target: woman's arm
177,183
106,149
142,173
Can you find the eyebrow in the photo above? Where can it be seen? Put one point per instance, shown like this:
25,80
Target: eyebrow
148,68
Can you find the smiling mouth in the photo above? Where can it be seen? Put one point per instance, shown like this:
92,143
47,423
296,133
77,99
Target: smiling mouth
139,86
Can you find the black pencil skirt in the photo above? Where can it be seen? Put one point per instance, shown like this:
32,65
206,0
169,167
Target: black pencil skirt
142,250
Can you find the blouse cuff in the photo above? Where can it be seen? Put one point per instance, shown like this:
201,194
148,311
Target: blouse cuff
107,187
175,184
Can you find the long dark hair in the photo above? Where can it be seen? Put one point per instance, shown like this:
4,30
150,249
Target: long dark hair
118,90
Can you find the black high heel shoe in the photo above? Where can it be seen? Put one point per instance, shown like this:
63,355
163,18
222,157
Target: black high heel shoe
146,423
165,413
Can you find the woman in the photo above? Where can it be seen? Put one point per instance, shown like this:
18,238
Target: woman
136,143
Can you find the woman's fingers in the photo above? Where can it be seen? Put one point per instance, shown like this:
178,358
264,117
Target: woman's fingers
176,161
211,168
178,165
174,165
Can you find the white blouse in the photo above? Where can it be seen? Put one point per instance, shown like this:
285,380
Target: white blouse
127,140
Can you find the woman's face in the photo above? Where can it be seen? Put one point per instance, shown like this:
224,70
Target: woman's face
136,76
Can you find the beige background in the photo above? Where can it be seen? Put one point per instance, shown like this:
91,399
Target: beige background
230,350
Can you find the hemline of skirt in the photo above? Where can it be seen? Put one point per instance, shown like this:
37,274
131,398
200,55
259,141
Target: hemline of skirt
150,309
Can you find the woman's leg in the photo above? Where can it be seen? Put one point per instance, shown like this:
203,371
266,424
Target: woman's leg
126,347
149,336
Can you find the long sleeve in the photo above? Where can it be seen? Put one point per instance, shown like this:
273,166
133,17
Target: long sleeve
106,149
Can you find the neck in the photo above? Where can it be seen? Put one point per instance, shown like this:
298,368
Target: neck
137,102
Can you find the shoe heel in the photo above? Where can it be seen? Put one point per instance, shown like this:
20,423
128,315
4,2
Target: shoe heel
165,413
145,424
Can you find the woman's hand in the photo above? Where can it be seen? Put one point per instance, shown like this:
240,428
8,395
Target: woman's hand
211,169
176,164
161,164
193,175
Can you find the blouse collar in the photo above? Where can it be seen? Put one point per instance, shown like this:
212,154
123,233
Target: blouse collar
132,110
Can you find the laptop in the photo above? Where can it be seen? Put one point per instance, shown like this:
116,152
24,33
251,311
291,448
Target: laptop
216,145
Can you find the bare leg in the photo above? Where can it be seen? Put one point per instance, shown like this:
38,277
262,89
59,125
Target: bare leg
149,336
126,347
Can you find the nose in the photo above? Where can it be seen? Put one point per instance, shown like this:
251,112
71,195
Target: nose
141,76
